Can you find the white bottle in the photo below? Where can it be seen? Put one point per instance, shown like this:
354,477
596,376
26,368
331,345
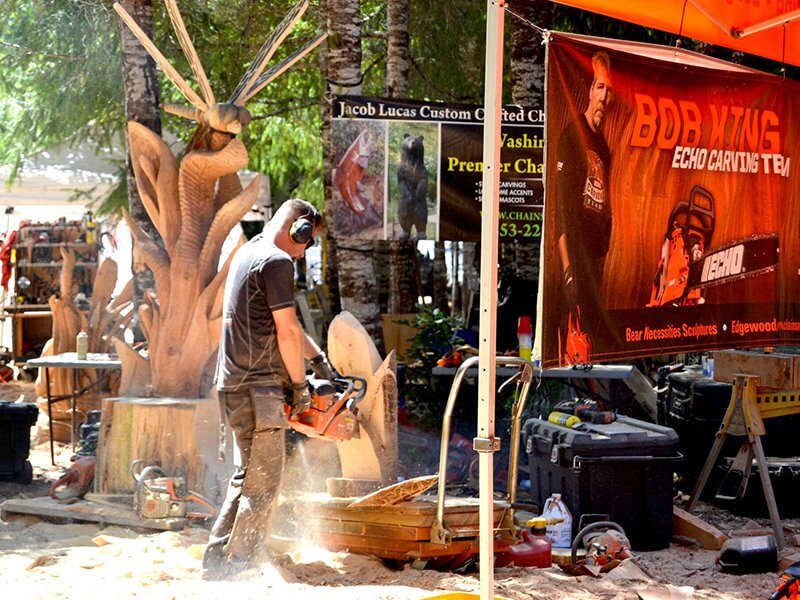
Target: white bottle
560,534
82,345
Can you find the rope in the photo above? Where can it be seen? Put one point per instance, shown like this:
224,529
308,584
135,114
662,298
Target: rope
783,53
540,30
680,29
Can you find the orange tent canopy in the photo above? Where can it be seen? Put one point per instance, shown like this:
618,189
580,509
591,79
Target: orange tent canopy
768,28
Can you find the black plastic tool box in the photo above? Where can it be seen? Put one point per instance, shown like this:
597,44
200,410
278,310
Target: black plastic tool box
16,420
696,407
623,470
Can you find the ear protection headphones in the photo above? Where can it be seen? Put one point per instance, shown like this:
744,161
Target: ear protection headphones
302,230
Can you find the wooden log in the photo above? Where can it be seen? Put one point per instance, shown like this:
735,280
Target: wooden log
690,526
87,511
775,370
179,434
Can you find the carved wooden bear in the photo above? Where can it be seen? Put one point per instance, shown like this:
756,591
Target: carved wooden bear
412,181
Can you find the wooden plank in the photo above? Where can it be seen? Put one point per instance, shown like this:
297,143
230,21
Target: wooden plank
456,519
399,532
88,511
422,505
775,370
411,514
690,526
397,493
404,548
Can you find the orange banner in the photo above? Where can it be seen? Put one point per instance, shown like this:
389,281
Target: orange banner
672,213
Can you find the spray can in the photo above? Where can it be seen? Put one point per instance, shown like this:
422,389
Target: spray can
82,345
559,532
563,419
524,336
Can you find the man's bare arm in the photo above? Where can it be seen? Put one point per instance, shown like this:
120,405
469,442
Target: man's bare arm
291,342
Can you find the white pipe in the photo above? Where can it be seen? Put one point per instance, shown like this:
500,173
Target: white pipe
493,88
768,24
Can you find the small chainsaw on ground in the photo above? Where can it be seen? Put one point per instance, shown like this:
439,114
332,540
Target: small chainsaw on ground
332,414
159,496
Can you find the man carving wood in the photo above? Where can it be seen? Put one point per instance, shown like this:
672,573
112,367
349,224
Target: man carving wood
261,367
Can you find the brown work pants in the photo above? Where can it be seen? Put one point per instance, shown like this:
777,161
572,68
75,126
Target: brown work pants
256,418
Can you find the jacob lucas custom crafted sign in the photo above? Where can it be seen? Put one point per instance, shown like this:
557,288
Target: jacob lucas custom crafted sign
672,204
413,170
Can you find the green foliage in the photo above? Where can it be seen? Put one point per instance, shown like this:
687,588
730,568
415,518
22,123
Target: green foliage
424,398
61,79
61,74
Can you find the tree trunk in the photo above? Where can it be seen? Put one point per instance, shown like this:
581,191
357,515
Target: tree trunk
403,266
141,105
440,299
527,76
357,289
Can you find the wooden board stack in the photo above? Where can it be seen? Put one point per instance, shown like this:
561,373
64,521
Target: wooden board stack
398,532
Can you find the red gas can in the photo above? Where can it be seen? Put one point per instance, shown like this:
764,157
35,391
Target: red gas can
535,549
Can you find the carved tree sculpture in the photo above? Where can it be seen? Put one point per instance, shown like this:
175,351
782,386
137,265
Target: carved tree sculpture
105,320
193,208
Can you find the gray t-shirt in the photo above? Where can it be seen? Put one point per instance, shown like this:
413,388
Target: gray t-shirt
260,280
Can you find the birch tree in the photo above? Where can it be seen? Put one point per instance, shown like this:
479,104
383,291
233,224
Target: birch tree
357,278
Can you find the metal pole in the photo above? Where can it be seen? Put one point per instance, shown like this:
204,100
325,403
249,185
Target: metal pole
485,442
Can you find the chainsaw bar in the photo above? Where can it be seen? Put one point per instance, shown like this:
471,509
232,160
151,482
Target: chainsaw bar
734,261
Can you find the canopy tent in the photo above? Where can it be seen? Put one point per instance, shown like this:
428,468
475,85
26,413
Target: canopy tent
768,29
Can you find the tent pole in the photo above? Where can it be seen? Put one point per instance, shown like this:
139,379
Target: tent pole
485,441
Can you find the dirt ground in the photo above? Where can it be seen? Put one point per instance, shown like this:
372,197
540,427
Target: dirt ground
41,559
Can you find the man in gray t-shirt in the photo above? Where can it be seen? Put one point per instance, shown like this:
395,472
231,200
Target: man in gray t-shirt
260,368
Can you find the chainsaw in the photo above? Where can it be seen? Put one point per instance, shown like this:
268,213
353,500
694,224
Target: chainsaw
159,496
333,412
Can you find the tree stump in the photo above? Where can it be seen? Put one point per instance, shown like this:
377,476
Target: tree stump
181,435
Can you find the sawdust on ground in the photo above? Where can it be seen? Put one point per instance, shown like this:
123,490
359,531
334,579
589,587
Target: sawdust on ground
41,559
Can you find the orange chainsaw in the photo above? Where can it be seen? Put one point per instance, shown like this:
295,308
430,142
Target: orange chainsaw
333,412
159,496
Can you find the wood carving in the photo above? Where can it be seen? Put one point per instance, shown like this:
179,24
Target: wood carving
193,207
350,172
373,455
105,320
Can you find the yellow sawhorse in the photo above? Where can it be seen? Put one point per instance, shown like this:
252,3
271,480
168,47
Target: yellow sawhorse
744,417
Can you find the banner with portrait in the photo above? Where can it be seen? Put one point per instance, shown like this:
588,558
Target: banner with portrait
672,212
413,170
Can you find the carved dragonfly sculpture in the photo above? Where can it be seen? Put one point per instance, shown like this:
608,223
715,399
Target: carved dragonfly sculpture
219,121
193,207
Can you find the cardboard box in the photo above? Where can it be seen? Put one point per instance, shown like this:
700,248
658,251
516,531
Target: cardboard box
397,336
775,370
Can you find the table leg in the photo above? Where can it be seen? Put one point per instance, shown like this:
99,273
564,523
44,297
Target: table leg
49,413
74,407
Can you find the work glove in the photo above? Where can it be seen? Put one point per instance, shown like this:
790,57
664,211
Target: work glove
570,292
301,397
322,368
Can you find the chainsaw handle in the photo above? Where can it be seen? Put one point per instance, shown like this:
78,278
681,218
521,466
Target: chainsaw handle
357,386
198,499
588,529
65,479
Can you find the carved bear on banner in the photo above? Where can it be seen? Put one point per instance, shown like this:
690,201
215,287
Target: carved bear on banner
412,181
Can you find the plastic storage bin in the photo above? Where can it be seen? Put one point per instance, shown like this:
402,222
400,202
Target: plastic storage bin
16,420
623,470
696,407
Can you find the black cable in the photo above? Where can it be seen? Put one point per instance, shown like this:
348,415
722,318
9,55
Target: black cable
540,30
